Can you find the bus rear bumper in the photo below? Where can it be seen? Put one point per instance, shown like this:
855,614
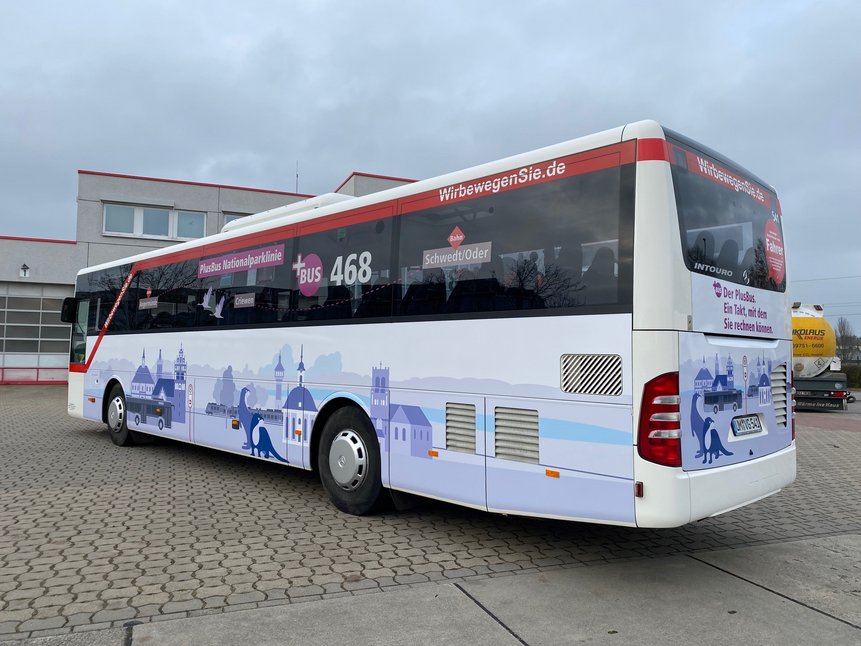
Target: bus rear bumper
672,497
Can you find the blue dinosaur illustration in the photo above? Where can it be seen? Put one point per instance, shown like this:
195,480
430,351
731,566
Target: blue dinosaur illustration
716,447
698,426
261,442
244,414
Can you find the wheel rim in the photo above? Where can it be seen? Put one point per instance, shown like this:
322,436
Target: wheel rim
116,414
348,460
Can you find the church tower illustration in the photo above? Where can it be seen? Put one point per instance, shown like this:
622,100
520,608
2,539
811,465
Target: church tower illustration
300,408
279,378
142,382
159,367
179,385
380,403
730,380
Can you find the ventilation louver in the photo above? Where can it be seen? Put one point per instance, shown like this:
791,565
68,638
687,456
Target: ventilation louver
460,427
516,434
778,394
592,374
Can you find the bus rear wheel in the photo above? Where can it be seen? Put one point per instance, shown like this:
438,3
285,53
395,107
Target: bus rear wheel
116,418
349,462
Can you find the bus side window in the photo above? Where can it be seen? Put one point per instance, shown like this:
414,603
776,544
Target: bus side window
425,296
600,279
563,277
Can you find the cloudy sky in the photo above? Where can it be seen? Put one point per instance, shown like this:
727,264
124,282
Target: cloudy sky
237,93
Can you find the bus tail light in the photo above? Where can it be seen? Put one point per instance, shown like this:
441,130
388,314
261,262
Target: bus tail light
660,431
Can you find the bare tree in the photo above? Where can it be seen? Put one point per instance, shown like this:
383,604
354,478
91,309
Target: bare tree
845,338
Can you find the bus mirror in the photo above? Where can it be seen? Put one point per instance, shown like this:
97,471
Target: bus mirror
69,311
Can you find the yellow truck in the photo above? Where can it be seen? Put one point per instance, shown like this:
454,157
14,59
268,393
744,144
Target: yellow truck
816,371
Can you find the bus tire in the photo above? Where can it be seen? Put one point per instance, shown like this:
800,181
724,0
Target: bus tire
116,418
349,462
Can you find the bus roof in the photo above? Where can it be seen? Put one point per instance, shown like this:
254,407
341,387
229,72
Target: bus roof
639,129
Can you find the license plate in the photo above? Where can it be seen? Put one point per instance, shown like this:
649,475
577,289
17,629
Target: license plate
746,425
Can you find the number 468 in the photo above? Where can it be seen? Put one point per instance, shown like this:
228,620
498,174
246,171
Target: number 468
349,272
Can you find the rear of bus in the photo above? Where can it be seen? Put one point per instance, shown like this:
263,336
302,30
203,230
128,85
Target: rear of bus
712,334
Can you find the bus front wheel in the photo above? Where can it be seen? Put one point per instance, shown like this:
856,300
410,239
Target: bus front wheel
116,418
349,462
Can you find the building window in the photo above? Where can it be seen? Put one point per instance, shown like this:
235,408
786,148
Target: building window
190,224
156,222
153,222
119,219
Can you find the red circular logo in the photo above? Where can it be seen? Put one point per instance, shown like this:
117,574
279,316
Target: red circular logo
774,251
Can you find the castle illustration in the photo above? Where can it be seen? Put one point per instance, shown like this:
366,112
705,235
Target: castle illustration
401,429
759,380
168,389
300,410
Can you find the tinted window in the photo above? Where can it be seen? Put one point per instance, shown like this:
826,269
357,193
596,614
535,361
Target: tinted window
563,244
101,288
345,272
248,286
165,297
730,224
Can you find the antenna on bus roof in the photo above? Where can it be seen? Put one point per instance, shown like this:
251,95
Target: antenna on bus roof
297,176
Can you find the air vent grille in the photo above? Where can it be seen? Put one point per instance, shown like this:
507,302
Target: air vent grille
460,427
592,374
516,434
779,397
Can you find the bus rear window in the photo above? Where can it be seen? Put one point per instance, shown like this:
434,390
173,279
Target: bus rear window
730,224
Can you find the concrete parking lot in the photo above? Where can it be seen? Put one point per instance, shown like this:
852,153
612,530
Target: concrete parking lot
93,536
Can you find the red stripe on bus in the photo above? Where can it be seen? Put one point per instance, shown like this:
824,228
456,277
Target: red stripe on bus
577,164
531,175
652,150
77,367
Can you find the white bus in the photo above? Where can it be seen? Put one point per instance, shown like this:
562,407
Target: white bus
538,335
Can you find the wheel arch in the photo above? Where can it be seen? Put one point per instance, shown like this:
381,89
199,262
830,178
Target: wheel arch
113,381
332,404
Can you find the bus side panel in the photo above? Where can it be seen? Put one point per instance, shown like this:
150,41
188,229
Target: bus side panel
578,466
245,416
427,459
279,379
